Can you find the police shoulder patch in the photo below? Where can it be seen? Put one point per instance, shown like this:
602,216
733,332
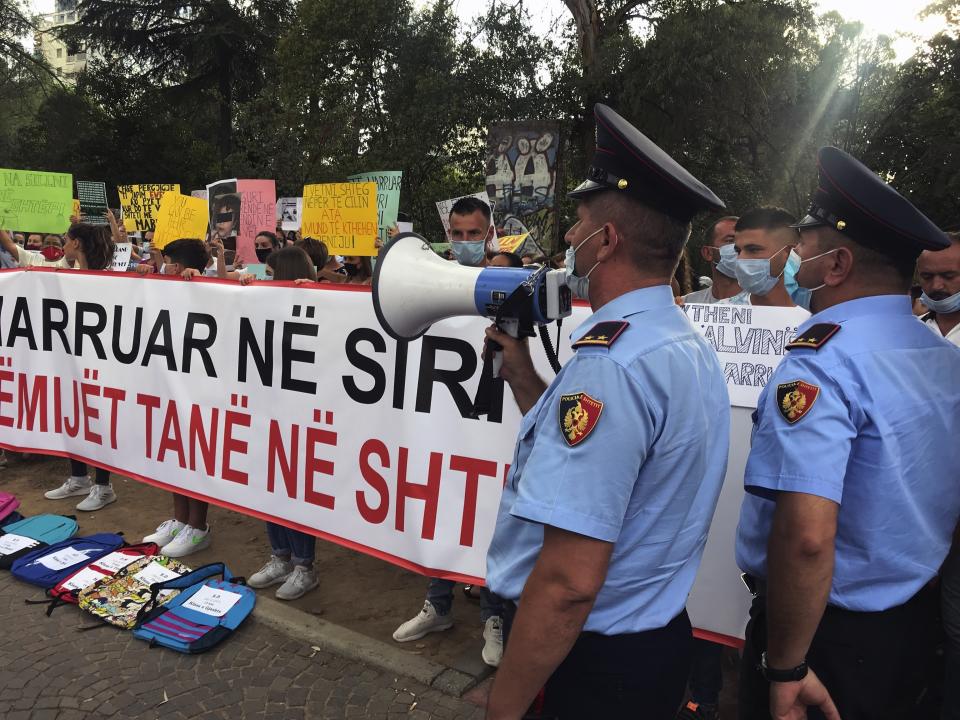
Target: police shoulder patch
815,336
605,334
578,416
795,399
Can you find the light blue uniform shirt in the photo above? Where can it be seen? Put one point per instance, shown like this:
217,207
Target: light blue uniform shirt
646,478
881,439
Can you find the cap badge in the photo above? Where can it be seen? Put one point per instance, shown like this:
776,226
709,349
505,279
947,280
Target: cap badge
841,224
622,184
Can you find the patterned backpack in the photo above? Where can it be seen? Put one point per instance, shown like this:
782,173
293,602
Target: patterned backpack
117,600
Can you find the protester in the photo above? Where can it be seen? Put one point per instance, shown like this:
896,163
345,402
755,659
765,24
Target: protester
604,515
316,250
471,231
719,251
506,259
851,500
291,564
187,531
34,242
87,247
264,244
357,269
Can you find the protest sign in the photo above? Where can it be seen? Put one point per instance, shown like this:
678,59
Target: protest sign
342,215
749,341
388,197
76,208
180,216
313,419
511,243
93,201
444,207
258,270
140,204
257,214
202,194
523,168
121,257
33,201
289,211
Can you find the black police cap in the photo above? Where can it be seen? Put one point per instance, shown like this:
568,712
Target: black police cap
852,199
627,161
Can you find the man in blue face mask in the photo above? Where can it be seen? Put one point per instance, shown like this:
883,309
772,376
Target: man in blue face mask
765,264
471,230
718,250
939,273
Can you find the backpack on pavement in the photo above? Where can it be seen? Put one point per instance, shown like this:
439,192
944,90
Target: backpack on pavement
8,505
117,600
47,566
68,589
206,612
23,537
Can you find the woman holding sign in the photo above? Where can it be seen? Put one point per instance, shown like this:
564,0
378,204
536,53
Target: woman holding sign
85,247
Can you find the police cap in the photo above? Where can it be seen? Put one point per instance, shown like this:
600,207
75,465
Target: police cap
852,199
627,161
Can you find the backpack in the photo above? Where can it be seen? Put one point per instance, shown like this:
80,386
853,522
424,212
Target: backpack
204,614
23,537
68,589
47,566
117,600
8,503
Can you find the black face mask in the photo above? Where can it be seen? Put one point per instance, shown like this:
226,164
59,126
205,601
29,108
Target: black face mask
351,269
263,254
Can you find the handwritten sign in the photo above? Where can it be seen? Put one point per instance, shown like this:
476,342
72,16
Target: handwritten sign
141,203
121,257
212,601
342,215
388,197
180,216
257,215
33,201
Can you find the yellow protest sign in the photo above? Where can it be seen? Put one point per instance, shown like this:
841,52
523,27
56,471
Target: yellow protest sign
140,204
180,216
76,209
342,215
509,243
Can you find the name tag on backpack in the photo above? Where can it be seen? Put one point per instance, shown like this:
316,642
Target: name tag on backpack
212,601
62,559
12,543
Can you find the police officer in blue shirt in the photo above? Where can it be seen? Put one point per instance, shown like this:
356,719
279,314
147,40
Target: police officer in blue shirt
619,462
851,480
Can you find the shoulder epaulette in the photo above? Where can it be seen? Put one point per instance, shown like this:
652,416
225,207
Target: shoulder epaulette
603,334
815,336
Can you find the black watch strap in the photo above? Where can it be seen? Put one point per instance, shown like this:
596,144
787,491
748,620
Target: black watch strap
776,675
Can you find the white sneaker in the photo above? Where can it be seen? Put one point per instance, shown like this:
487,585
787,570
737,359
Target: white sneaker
275,571
73,486
188,541
492,652
427,621
299,583
165,533
100,496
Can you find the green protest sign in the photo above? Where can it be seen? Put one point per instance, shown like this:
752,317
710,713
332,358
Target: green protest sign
388,197
34,201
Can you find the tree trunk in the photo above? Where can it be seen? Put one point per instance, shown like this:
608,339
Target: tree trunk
586,17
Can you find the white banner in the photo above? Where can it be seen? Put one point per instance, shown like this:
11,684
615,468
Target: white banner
291,404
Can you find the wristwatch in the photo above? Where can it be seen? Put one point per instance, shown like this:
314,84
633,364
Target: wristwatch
774,675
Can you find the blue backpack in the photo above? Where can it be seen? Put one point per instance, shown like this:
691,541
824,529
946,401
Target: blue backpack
47,566
25,536
205,613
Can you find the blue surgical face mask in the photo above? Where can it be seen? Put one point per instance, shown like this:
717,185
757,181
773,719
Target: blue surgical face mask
468,252
579,285
754,274
945,306
802,295
790,272
728,260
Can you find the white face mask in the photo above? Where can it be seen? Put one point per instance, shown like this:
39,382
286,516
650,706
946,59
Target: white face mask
579,285
803,295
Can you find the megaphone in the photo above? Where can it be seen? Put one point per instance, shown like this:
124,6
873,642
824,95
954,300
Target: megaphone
413,288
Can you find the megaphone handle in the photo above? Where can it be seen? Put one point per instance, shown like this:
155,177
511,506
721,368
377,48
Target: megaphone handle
511,327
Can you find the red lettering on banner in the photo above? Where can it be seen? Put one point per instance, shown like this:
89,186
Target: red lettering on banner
57,420
374,515
429,493
115,396
90,412
473,468
5,397
149,403
200,439
315,465
170,436
233,445
277,454
29,403
73,428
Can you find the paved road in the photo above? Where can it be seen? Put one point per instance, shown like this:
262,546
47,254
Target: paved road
51,670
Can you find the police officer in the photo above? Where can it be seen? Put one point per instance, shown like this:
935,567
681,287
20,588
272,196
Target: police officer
851,494
619,462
